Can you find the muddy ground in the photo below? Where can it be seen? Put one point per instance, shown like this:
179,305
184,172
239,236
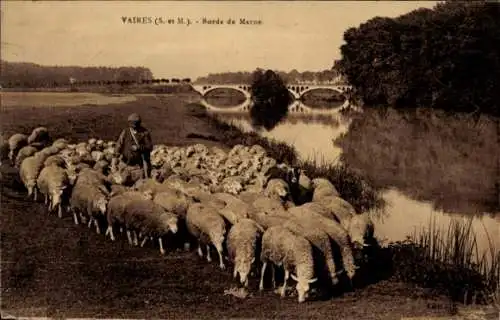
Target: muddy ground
52,267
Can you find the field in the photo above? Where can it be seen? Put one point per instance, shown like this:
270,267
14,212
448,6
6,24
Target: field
51,267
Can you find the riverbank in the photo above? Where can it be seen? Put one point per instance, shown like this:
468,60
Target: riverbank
63,270
446,260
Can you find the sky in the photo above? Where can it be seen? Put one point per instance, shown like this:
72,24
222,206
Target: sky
293,34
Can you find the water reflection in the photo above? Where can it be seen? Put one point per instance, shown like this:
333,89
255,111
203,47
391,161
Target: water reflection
400,139
312,102
312,139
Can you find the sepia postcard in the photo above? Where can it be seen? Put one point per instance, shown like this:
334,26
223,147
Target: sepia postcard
250,160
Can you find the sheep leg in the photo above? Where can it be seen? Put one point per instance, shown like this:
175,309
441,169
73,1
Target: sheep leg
97,229
75,218
134,238
129,237
35,194
200,252
283,289
273,271
144,241
110,232
221,260
59,211
46,200
90,222
261,283
160,241
235,273
209,258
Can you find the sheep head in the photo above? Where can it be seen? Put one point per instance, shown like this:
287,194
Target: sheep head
172,224
31,186
303,287
102,205
244,267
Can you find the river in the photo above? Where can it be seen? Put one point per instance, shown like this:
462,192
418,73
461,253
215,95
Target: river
402,214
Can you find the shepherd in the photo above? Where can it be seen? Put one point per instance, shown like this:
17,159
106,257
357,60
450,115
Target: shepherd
134,145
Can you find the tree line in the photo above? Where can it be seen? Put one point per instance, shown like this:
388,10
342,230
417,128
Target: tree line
293,76
447,57
31,75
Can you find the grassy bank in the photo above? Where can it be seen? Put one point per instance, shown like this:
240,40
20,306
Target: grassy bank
447,260
451,160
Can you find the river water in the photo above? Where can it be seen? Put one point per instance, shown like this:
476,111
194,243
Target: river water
402,215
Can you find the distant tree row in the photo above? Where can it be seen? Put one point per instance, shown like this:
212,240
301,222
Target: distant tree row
131,82
30,75
447,57
293,76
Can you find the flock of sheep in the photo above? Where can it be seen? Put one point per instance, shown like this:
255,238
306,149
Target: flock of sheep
252,210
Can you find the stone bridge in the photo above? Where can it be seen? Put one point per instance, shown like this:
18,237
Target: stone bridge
297,90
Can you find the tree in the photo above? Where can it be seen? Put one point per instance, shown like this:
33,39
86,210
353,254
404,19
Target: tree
445,58
270,99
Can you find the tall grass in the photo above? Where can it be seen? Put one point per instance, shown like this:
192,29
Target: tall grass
448,260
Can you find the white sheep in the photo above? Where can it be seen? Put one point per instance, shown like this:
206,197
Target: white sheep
235,208
116,213
24,152
267,220
39,135
102,166
315,221
243,243
55,160
233,185
127,176
277,189
117,189
90,200
50,151
267,205
341,210
207,226
60,143
173,200
92,177
28,171
257,150
322,188
282,247
320,240
16,142
53,183
150,220
361,230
